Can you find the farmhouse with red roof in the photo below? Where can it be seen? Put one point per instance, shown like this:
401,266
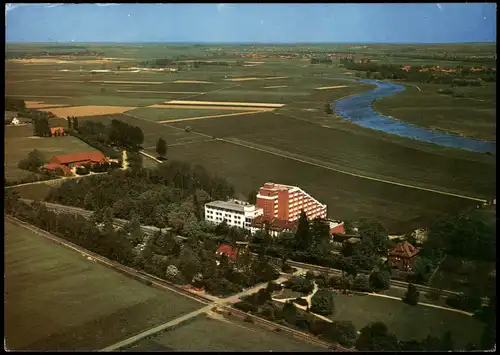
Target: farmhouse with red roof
228,250
403,255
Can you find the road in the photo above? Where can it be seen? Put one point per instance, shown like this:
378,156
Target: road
149,230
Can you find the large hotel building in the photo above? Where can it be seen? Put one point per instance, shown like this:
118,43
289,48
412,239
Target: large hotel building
285,203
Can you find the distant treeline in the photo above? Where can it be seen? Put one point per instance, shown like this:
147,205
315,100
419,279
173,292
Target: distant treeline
28,55
165,62
463,76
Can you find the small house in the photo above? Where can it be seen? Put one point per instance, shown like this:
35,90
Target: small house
402,256
57,131
228,250
15,121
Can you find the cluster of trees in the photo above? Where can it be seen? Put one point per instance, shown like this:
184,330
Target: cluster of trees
161,148
19,106
172,194
32,177
41,127
463,76
94,133
124,135
32,162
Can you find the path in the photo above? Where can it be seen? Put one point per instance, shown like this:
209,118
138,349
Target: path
213,116
207,308
150,156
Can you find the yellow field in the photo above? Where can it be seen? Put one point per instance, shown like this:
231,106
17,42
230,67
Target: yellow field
125,82
276,77
161,92
254,62
88,110
214,116
219,108
332,87
192,82
242,79
223,103
275,87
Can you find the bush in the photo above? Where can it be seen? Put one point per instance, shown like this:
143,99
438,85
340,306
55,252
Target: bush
361,283
287,269
310,275
379,279
245,306
82,170
248,319
343,332
465,303
273,287
188,129
412,295
300,284
322,303
335,281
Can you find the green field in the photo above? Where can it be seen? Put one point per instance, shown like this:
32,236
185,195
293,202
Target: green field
301,128
57,299
405,321
473,115
207,334
165,114
19,142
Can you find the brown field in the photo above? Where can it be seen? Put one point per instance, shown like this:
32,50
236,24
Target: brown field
192,82
88,110
58,299
332,87
222,103
214,116
229,108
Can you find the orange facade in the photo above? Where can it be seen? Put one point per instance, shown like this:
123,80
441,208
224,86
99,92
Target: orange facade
286,202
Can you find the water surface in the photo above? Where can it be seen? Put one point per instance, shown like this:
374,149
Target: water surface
358,109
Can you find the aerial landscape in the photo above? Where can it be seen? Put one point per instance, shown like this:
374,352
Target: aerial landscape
250,177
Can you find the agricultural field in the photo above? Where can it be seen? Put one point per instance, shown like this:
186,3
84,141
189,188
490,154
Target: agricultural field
473,115
221,334
405,321
19,141
300,128
57,299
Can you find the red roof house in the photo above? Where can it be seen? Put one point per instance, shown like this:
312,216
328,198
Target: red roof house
230,251
71,160
57,131
53,167
403,255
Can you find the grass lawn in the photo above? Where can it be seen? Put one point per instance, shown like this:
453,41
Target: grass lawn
207,334
473,116
19,141
407,322
462,276
36,191
57,299
347,197
287,293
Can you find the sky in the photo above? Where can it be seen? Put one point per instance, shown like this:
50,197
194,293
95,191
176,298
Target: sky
252,23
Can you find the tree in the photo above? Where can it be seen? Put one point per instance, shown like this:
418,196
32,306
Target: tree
361,283
303,235
289,312
69,122
328,109
322,302
379,279
411,296
447,342
376,337
320,231
108,220
377,233
75,123
252,197
34,160
161,147
134,228
421,269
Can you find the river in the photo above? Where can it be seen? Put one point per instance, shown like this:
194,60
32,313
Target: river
358,109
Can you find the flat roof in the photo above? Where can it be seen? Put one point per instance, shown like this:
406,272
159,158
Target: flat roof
228,205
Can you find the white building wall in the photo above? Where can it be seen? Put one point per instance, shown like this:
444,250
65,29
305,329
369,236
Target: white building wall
242,219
